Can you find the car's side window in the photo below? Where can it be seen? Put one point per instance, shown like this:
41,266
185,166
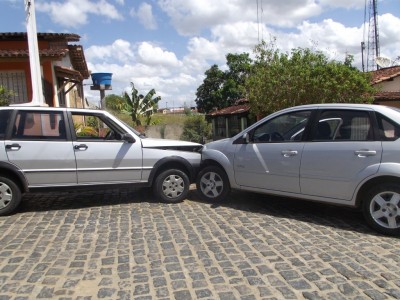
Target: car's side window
343,125
39,125
285,128
94,127
389,130
4,116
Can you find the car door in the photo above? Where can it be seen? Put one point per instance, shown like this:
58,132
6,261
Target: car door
271,158
336,159
41,147
102,155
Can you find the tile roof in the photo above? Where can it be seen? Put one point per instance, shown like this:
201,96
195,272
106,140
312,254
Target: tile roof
78,60
25,53
387,96
231,110
68,73
385,74
58,49
22,36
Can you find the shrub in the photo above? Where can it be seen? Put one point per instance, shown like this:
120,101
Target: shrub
196,129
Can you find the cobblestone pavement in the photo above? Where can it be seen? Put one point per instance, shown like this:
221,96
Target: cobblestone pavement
120,244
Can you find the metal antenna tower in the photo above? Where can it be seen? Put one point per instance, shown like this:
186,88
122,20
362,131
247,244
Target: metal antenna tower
373,50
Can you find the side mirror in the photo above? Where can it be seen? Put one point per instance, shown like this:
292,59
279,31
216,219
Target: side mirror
128,138
244,139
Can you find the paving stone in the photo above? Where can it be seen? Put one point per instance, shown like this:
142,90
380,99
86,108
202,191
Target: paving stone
121,244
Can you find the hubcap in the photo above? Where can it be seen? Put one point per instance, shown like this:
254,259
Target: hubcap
173,186
211,184
5,195
385,209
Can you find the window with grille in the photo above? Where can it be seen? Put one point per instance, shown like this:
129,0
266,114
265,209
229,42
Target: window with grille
15,82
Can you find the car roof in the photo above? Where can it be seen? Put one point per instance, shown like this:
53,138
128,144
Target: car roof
375,107
46,108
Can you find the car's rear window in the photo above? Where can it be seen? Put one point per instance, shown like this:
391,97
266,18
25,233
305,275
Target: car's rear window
38,125
388,130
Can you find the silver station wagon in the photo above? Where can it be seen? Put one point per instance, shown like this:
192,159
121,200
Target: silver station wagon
344,154
52,148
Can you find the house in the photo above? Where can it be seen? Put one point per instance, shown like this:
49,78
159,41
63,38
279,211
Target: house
231,120
387,80
63,68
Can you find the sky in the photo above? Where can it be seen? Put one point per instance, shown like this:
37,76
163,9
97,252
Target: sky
169,44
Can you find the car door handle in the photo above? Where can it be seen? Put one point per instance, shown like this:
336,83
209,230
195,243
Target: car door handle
80,147
288,153
13,147
365,153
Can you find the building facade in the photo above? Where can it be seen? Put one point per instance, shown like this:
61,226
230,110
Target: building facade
387,81
63,68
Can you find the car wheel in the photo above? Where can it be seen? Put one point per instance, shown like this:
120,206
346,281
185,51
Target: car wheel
213,184
10,196
172,186
382,208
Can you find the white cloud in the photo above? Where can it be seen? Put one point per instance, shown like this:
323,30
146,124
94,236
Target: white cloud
343,3
149,67
204,49
74,13
192,16
231,28
153,55
145,16
389,35
120,50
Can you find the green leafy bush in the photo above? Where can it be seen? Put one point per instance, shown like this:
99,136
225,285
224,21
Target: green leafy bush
196,129
5,96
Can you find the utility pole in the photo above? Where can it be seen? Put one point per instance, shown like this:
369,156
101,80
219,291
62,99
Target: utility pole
36,74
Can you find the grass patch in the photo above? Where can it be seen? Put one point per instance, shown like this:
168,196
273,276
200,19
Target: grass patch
157,119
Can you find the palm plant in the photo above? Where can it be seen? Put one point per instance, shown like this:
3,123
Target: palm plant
138,106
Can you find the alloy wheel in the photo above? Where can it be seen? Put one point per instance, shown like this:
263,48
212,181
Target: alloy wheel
385,209
211,184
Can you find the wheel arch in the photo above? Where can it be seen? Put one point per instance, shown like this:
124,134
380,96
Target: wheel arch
371,183
13,173
211,162
223,164
173,162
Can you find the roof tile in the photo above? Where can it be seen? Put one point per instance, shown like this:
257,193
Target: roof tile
385,74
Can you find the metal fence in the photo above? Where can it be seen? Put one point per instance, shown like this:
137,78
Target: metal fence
15,82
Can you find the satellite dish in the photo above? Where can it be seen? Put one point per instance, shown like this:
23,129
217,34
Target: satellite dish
384,62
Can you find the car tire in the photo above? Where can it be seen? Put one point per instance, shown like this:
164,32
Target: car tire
10,196
171,186
213,184
381,208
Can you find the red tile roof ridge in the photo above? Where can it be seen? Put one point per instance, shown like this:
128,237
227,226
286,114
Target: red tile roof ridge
231,110
385,74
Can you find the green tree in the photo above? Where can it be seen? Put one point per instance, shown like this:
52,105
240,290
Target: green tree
221,89
5,96
115,102
239,66
280,80
138,105
209,93
196,129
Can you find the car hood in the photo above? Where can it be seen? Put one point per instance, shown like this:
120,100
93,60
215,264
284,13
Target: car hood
170,144
217,145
